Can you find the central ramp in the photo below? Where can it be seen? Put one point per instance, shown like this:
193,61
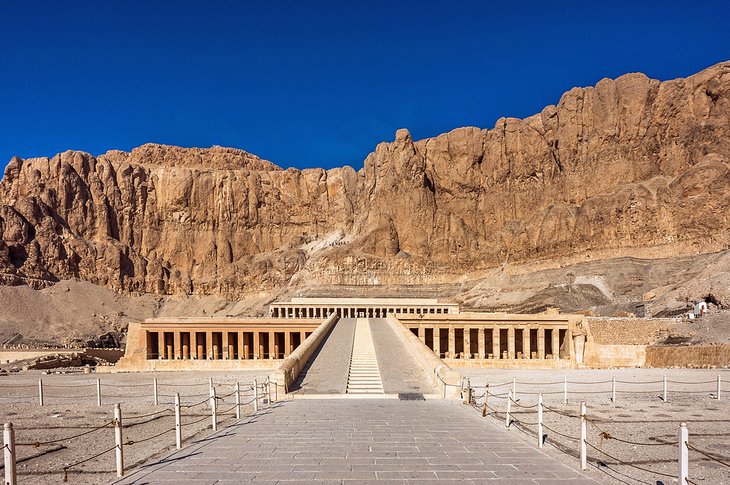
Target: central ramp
364,375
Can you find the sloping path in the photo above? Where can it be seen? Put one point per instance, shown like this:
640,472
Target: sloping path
327,370
364,376
399,370
349,441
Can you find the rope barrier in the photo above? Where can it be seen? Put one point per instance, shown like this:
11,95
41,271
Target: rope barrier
621,462
134,442
127,418
37,444
705,454
66,468
608,436
559,433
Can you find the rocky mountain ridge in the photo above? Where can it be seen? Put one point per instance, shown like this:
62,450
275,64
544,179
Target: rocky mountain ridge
630,165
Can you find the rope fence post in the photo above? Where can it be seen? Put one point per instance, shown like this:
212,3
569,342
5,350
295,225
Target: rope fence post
583,436
213,409
467,397
255,396
539,421
9,454
40,392
118,439
486,398
565,389
210,384
268,391
664,395
613,390
509,406
514,388
719,388
238,401
178,424
155,400
683,454
98,392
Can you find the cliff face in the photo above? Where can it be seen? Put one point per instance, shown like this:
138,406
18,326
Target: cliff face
630,163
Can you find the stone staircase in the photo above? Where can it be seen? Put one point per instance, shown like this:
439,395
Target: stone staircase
364,374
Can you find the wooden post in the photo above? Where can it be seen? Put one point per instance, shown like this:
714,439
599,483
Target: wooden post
40,391
213,409
238,401
613,390
683,454
154,392
539,421
514,389
509,406
9,455
210,384
178,423
719,388
467,396
485,408
118,439
98,392
565,390
255,396
664,397
583,436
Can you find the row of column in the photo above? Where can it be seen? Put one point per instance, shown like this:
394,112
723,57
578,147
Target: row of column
351,311
497,350
223,345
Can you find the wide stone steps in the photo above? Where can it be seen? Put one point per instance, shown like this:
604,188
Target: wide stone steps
364,375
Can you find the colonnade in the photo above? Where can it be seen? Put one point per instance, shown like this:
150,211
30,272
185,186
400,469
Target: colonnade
223,344
495,342
346,311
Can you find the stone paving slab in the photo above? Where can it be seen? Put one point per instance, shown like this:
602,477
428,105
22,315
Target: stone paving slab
326,372
359,441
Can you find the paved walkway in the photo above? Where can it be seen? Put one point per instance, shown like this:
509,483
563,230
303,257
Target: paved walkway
399,370
326,372
364,376
360,441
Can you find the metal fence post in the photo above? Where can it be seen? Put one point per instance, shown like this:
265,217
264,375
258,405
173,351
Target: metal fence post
583,436
509,406
539,421
9,454
213,409
255,395
178,423
683,454
155,400
238,401
40,391
98,392
118,440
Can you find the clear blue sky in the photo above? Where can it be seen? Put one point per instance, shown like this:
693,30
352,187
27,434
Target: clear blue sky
318,83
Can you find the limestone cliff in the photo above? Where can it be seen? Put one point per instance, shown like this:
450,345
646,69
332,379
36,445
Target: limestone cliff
632,164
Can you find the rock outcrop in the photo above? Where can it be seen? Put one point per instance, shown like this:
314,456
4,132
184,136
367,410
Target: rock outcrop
632,164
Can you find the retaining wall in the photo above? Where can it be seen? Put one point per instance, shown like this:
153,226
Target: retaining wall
689,356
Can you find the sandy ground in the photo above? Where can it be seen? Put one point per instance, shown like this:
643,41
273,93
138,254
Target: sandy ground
70,409
639,416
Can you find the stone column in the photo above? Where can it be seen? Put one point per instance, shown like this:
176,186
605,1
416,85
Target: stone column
176,346
422,333
257,350
556,343
526,343
437,341
160,345
496,346
287,344
185,337
230,346
511,342
273,348
211,349
540,342
241,349
467,343
199,349
481,344
452,342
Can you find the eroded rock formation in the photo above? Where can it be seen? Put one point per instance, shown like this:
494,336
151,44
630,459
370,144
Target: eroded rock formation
630,163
